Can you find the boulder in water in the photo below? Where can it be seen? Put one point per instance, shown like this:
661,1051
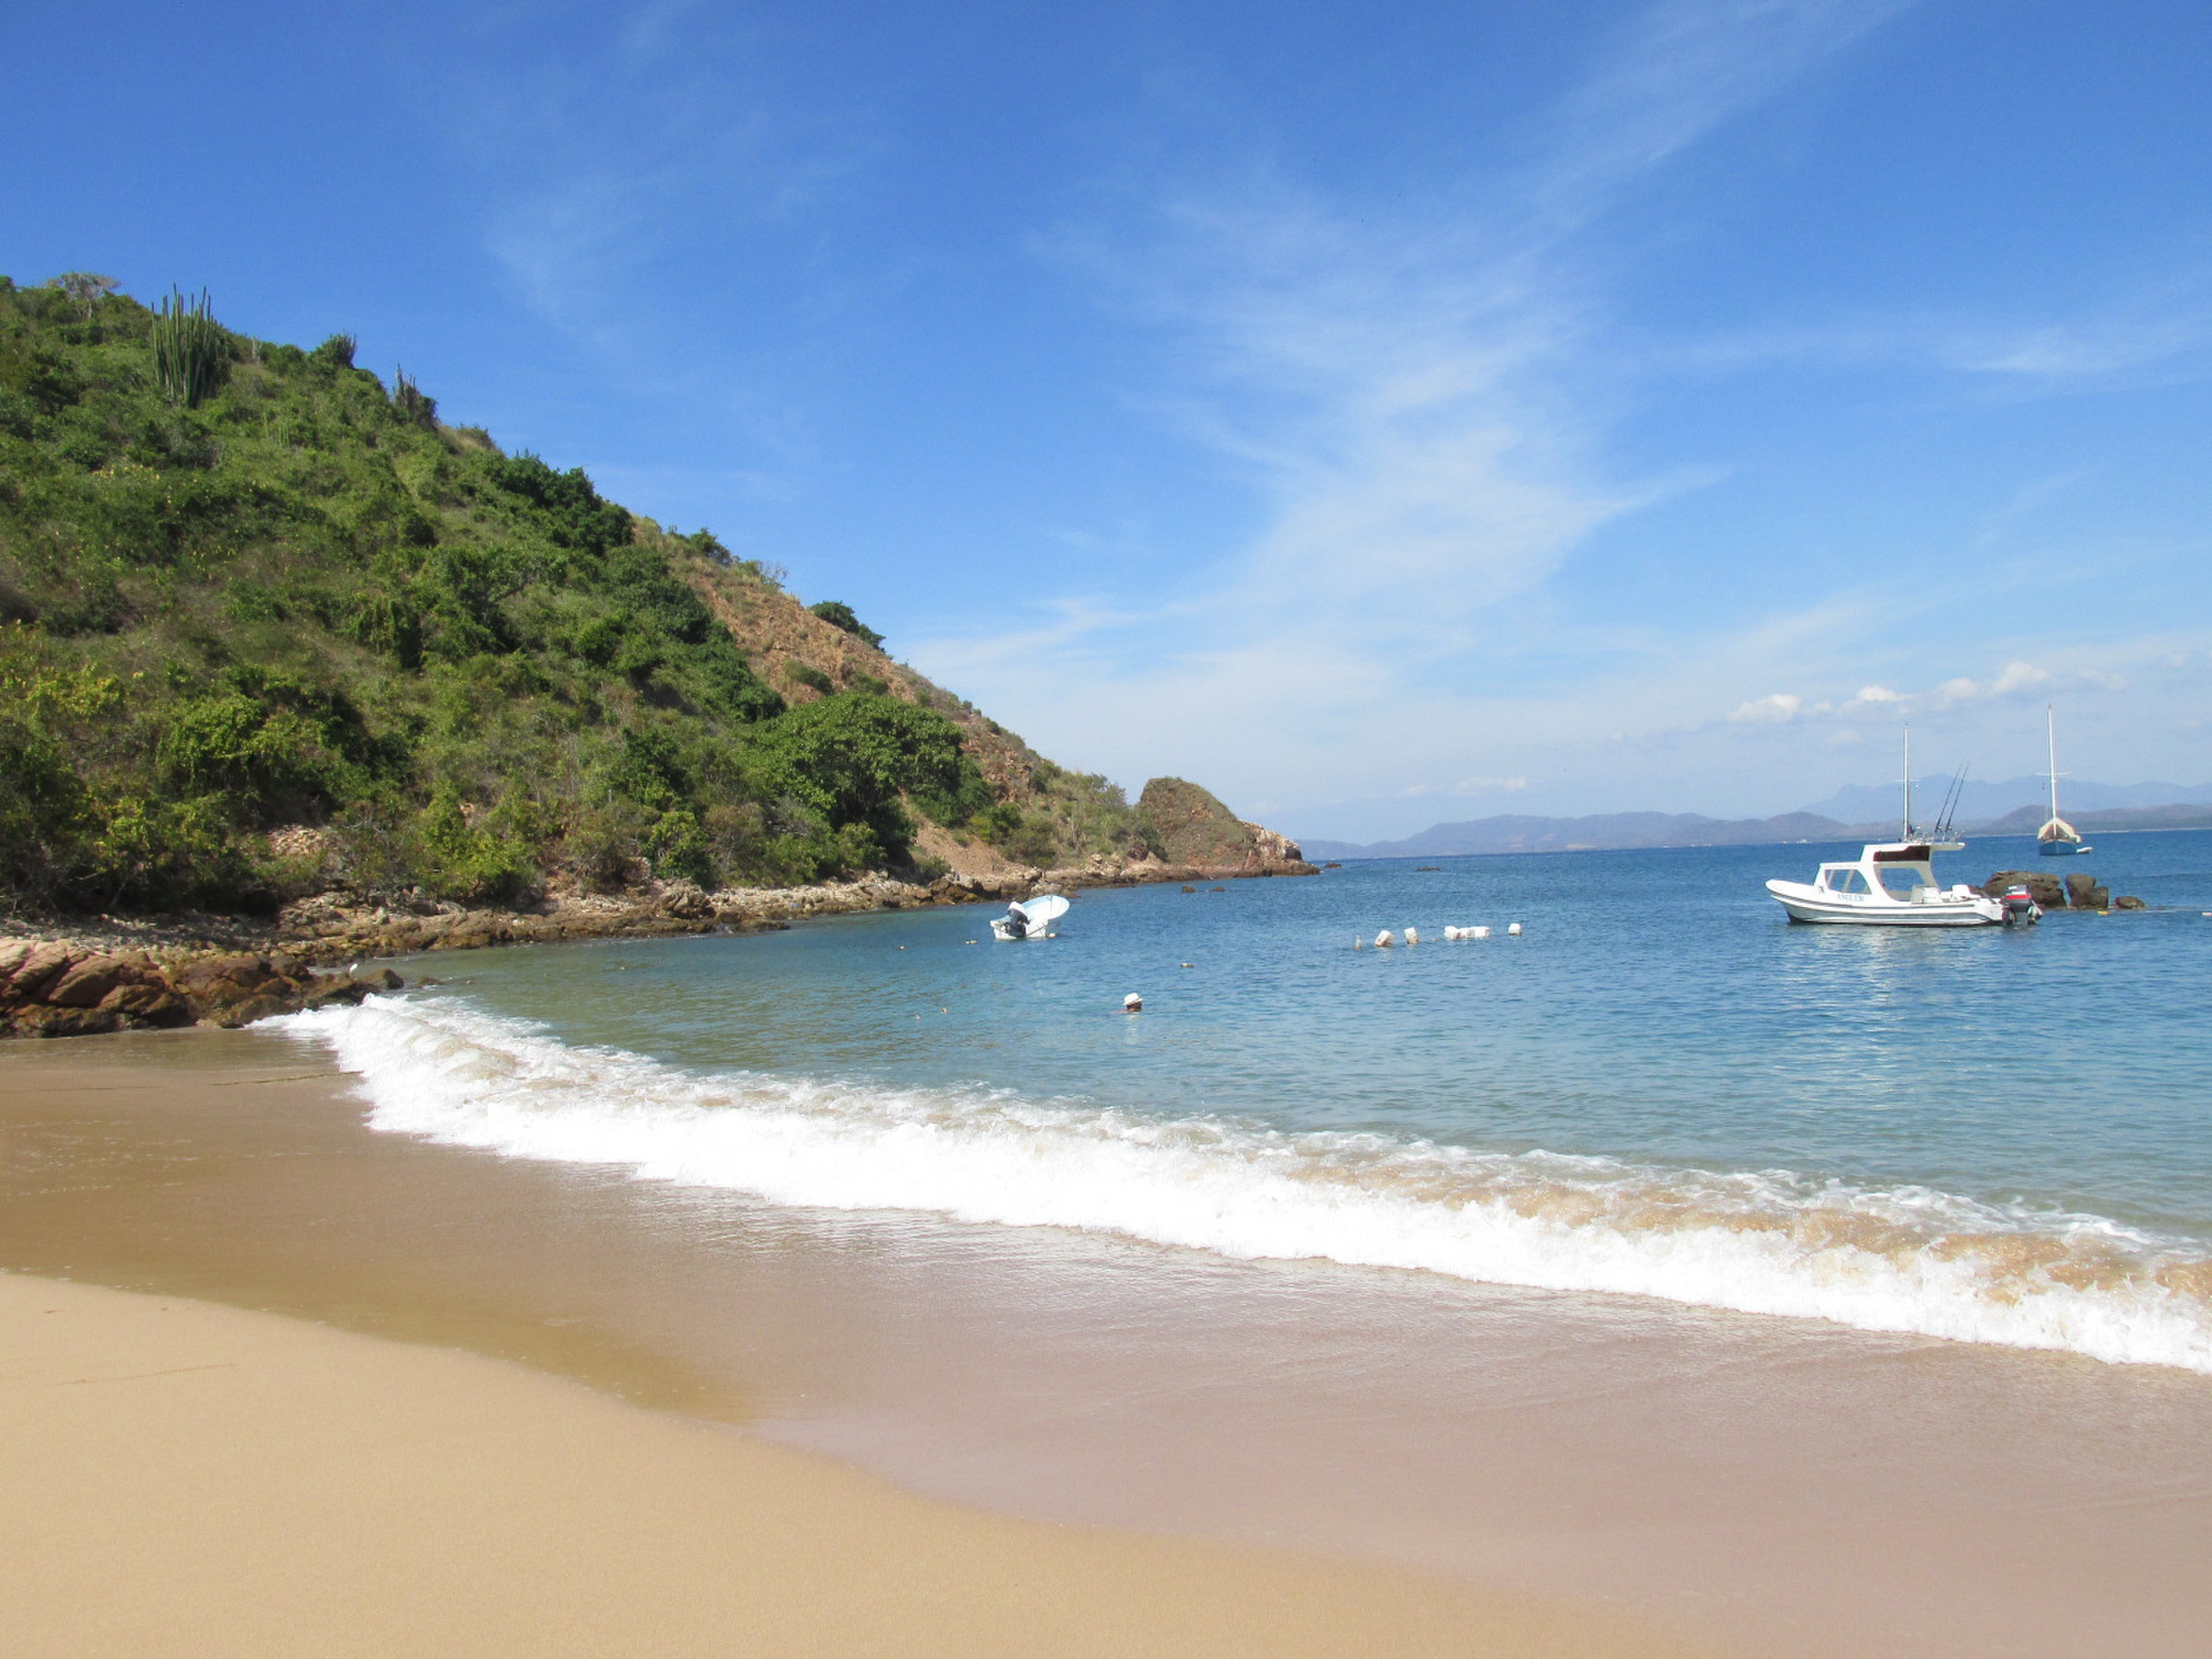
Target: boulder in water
2084,892
2042,886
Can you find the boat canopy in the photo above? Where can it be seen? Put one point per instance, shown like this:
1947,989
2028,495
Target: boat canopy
1908,852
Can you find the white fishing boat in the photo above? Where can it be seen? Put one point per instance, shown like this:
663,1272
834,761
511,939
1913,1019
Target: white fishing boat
1029,919
1892,884
2056,839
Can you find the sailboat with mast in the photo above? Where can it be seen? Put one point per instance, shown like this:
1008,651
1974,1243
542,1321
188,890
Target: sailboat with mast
2056,839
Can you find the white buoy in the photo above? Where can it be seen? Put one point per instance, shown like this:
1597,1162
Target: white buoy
1358,942
1514,928
1413,936
1384,940
1478,933
1451,933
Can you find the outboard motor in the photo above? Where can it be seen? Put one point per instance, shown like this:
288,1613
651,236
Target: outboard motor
2020,908
1016,923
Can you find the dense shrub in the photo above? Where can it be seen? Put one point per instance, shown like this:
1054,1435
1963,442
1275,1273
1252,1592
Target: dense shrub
855,758
838,614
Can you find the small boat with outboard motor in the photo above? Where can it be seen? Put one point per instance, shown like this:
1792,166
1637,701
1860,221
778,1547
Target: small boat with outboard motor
1029,919
1892,884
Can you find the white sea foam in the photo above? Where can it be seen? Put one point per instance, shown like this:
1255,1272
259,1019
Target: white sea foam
1897,1259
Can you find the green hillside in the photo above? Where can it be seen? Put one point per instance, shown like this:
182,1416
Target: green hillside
262,618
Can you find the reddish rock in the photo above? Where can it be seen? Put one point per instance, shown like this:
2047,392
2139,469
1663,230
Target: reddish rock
88,983
47,1021
339,988
148,1005
231,1015
2084,892
224,979
2042,886
685,901
44,963
12,952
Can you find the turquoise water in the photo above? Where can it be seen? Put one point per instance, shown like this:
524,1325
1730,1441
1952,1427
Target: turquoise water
1660,1088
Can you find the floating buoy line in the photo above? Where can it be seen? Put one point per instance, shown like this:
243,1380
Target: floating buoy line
1387,939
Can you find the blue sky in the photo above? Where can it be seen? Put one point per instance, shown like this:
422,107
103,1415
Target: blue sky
1379,414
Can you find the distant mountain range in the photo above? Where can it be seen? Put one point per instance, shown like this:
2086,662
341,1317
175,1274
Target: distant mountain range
1615,831
1982,802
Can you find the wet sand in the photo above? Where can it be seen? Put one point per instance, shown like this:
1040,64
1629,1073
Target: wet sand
179,1478
1781,1484
182,1478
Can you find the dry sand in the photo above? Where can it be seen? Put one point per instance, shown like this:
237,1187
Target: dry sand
182,1478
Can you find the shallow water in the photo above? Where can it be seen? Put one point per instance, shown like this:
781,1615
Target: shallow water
1660,1089
773,1178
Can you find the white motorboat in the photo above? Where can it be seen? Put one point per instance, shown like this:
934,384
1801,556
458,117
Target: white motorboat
1029,919
1892,884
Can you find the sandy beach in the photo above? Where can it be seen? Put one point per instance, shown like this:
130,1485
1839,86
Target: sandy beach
180,1477
367,1394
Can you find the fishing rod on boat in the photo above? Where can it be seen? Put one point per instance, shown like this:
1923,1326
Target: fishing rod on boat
1943,830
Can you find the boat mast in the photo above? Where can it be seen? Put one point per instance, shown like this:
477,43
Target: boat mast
2051,734
1908,829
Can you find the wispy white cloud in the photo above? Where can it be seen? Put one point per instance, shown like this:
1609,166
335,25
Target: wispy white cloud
2154,326
1414,400
1679,70
2158,329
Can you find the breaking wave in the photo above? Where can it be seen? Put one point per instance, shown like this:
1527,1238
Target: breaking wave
1890,1259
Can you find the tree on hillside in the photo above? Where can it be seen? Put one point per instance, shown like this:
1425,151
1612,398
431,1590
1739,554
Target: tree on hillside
838,614
87,289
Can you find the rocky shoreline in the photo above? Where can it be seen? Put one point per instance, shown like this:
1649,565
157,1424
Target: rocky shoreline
95,975
62,988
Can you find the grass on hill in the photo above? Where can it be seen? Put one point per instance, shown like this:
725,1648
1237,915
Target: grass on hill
266,625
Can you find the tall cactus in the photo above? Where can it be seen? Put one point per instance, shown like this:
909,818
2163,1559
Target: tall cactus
413,405
190,349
